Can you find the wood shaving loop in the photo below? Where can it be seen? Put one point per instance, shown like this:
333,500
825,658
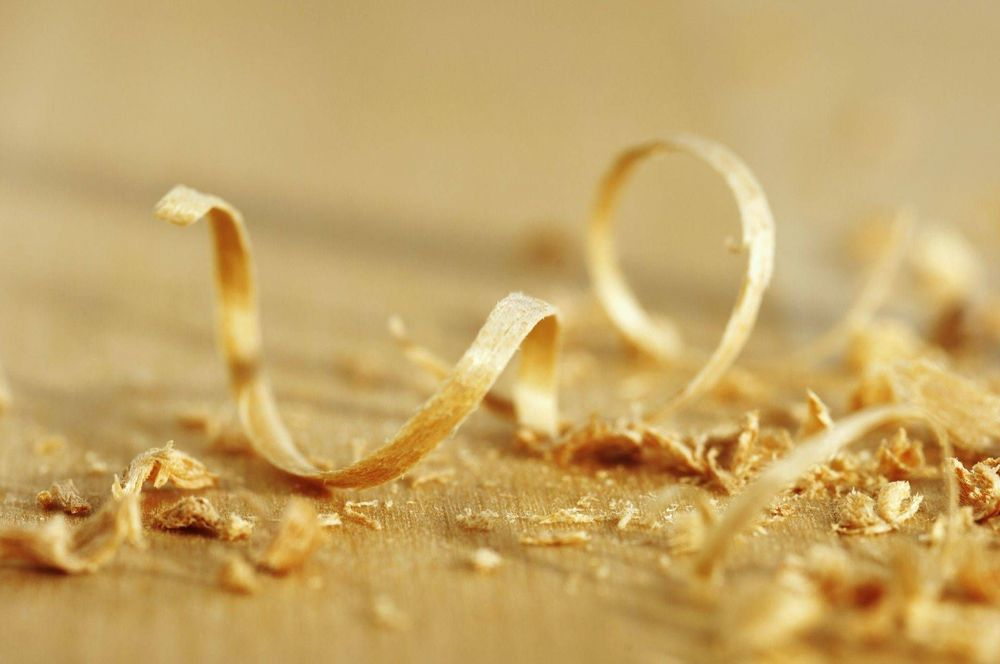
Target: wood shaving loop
617,297
518,321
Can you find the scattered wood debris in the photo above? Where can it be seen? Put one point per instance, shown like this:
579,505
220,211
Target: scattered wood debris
860,514
485,560
299,535
189,513
571,538
238,576
902,458
63,496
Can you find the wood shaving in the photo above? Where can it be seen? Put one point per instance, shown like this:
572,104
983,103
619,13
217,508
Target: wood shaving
55,545
860,514
573,538
352,513
330,520
518,321
817,418
484,520
485,560
631,320
161,466
189,513
299,535
902,458
238,576
979,486
63,496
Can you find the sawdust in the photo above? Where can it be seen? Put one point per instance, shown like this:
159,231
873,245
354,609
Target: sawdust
860,514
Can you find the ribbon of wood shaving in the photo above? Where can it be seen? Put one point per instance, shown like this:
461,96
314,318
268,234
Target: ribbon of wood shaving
663,342
873,294
517,321
745,508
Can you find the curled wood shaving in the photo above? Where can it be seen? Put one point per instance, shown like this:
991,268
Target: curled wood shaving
875,289
572,538
299,535
161,466
817,417
862,515
518,321
979,486
745,508
618,299
238,576
63,496
55,545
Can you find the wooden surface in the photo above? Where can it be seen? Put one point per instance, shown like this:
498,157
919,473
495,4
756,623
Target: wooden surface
421,162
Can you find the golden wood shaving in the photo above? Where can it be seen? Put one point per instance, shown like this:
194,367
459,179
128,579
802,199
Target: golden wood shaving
817,417
189,513
56,545
859,514
160,466
63,496
979,486
299,535
238,576
620,303
875,290
571,538
518,321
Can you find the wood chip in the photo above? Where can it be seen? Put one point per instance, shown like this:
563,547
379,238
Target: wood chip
860,514
979,486
238,576
161,466
63,496
189,513
299,536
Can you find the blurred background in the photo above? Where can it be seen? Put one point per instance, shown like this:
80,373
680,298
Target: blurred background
456,132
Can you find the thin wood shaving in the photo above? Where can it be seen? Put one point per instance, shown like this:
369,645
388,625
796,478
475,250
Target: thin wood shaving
63,496
618,300
189,513
902,458
299,535
56,545
518,321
